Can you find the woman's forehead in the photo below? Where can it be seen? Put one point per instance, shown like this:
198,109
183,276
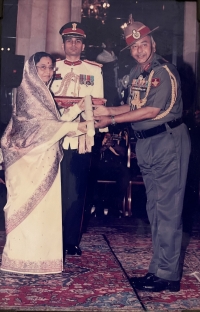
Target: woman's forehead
46,60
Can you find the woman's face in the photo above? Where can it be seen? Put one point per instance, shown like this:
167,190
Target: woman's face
45,69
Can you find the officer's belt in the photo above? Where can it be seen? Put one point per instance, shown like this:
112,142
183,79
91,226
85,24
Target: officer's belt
143,134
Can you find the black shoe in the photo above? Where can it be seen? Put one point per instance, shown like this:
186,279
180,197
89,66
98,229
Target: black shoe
158,284
73,250
139,281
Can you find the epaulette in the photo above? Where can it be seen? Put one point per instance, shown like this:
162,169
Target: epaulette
58,60
159,62
93,63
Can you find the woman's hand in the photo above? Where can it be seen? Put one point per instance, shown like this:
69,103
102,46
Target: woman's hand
71,134
100,110
82,126
81,104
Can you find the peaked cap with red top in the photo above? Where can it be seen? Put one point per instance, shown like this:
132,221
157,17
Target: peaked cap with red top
73,29
135,31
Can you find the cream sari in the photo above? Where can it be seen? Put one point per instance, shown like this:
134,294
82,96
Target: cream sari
32,154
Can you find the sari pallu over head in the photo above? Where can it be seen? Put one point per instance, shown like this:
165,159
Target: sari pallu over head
34,130
35,118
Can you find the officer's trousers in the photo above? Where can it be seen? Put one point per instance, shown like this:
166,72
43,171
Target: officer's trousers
163,161
74,180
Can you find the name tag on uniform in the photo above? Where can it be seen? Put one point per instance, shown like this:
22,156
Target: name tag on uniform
86,80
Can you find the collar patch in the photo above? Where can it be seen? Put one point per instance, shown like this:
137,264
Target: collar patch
72,63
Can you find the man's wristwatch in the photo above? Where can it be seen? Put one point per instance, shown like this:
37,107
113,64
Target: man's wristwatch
113,122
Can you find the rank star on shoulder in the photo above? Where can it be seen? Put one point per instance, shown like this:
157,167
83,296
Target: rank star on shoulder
155,82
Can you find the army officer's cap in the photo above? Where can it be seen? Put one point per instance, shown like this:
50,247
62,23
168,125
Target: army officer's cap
135,31
73,29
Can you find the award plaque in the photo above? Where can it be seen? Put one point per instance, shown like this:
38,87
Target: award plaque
67,101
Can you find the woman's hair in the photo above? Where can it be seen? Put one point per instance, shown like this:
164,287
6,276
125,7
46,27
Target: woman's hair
39,55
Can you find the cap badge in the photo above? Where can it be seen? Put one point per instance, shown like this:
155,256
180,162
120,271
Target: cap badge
74,26
136,34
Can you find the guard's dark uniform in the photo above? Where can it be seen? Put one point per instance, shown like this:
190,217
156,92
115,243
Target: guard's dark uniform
162,149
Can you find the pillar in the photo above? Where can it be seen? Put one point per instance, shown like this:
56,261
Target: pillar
38,26
31,27
76,6
59,13
23,32
190,34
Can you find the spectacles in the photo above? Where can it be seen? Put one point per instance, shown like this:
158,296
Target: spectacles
43,68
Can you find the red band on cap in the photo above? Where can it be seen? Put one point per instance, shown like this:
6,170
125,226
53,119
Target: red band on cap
78,31
143,32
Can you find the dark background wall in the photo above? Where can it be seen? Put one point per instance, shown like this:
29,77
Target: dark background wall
168,15
9,63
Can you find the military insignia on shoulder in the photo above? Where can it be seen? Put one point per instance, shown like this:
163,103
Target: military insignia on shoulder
135,34
155,82
93,63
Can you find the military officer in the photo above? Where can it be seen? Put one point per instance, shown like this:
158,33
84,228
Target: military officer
75,78
154,110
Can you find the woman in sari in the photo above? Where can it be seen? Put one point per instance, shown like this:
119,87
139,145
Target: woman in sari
32,154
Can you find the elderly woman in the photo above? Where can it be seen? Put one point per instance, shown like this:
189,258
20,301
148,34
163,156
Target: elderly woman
32,155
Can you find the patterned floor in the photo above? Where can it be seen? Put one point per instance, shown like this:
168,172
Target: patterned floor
131,244
113,250
93,282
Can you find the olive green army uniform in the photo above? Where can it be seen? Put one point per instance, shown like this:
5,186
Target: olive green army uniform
162,149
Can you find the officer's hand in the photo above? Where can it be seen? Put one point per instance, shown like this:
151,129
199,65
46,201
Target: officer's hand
82,126
102,121
100,110
81,104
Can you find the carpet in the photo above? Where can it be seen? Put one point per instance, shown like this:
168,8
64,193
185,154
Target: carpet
132,247
92,282
113,251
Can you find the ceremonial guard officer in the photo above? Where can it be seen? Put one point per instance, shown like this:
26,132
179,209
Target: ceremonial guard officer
162,149
75,78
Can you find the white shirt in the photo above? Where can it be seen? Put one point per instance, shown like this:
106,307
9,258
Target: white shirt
76,81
